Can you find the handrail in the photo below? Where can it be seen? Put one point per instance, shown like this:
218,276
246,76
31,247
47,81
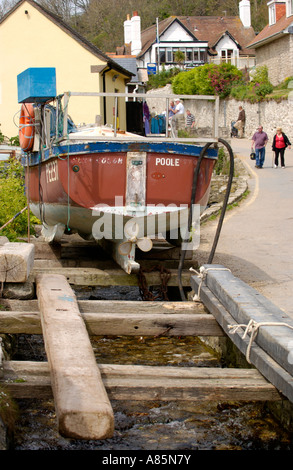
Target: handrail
147,96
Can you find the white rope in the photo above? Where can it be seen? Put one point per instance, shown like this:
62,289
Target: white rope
252,328
202,275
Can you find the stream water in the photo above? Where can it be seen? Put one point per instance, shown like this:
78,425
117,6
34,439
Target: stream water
151,426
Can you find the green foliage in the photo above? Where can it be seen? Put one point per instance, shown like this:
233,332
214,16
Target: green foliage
179,57
222,167
193,82
208,79
223,80
255,90
223,77
13,199
163,78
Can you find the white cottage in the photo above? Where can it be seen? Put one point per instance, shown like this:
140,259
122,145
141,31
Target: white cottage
202,39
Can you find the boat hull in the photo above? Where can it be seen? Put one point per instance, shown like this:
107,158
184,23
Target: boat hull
95,188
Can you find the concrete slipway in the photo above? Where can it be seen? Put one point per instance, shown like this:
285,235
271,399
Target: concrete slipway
256,251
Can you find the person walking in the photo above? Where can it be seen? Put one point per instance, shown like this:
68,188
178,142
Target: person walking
280,143
259,140
240,123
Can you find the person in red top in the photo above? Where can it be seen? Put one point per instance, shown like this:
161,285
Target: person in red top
280,142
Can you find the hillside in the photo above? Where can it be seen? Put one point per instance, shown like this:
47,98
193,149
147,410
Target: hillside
101,21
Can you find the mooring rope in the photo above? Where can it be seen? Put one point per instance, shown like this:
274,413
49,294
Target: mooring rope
252,327
202,275
14,217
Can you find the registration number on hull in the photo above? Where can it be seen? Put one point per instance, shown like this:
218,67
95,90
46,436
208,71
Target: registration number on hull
52,171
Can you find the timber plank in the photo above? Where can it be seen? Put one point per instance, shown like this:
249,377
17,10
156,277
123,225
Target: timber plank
115,306
103,317
128,324
82,405
150,382
16,261
110,277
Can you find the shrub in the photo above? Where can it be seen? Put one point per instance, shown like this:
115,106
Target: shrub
208,79
13,199
162,78
223,77
256,89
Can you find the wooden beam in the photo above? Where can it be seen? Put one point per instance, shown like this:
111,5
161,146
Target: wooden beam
115,306
16,261
128,324
82,405
104,317
110,277
124,382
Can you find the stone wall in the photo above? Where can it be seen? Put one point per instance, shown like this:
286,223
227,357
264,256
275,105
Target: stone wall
278,56
270,114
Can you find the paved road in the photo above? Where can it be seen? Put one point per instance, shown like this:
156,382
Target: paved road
256,240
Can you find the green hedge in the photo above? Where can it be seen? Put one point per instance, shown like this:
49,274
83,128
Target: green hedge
13,200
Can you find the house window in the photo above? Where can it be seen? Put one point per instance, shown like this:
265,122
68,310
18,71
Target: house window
196,55
162,56
272,14
169,57
226,55
173,54
289,7
189,55
202,55
192,54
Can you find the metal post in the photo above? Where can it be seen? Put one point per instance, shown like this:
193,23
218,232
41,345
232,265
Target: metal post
167,117
65,116
28,199
115,116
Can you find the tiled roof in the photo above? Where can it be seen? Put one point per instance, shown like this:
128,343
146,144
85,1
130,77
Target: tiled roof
204,28
269,33
128,63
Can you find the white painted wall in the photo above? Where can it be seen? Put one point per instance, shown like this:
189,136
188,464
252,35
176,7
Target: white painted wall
175,33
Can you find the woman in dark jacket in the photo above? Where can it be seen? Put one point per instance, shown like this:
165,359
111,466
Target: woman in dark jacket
280,142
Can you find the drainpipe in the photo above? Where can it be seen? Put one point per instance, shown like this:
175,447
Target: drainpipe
104,91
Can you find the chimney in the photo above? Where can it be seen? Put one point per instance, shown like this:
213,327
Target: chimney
244,13
135,34
280,10
127,30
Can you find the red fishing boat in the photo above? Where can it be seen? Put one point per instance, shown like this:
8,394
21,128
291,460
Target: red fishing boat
114,187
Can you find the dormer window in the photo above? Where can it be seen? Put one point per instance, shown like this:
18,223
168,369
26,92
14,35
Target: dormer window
289,7
277,9
272,14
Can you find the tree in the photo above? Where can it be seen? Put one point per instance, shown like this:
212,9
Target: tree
179,58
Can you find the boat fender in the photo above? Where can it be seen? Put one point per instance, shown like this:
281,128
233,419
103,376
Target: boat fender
27,126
